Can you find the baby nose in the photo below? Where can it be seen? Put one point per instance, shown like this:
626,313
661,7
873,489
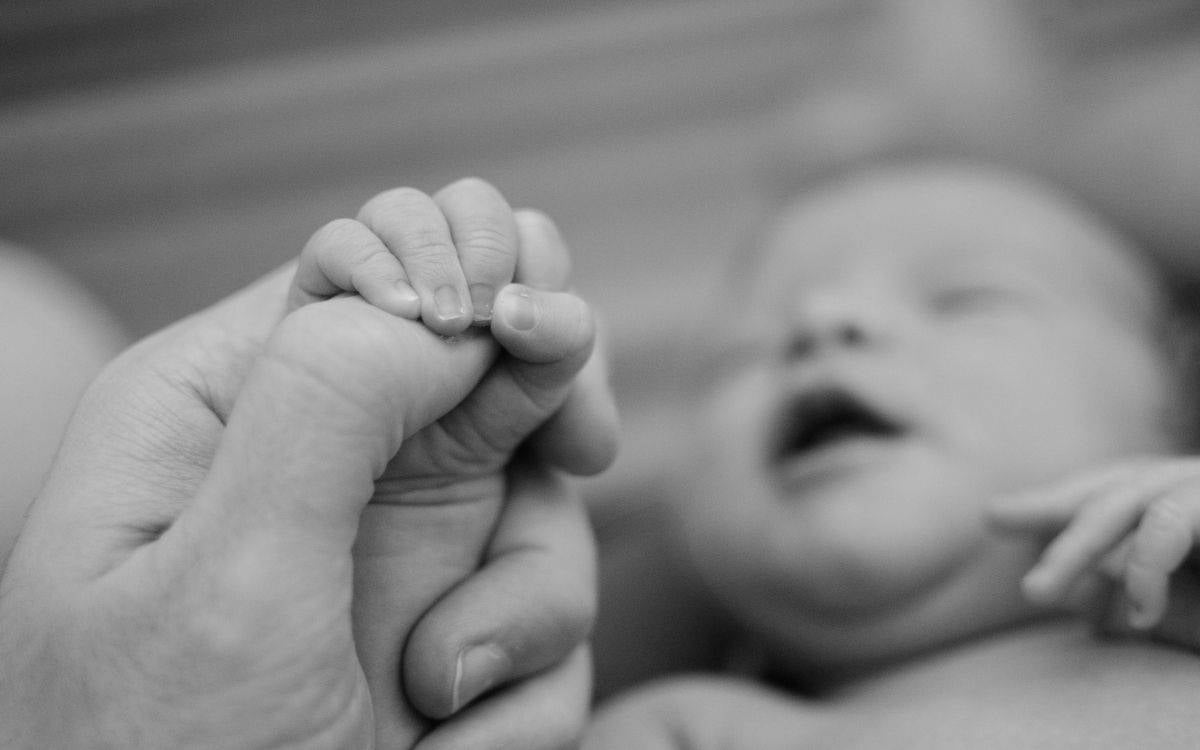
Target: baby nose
832,323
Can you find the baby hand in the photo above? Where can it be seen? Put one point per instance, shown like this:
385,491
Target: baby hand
449,260
441,259
1132,525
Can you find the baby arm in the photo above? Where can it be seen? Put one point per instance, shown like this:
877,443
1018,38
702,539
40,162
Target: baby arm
1132,526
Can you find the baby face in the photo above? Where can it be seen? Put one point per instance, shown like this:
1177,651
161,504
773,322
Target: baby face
916,343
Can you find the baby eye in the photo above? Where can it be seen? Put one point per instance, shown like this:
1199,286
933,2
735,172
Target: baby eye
968,300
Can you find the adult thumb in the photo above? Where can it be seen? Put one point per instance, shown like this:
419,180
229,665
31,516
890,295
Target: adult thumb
337,388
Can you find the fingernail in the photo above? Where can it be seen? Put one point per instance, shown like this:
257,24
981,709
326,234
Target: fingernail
478,668
448,304
407,299
482,297
516,305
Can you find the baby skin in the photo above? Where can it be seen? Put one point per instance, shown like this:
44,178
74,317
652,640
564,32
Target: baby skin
927,350
1124,537
516,351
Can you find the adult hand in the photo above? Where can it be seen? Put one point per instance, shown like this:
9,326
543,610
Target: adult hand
436,505
184,579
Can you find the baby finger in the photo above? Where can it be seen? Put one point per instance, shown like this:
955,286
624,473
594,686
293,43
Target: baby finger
415,231
1096,529
346,256
1160,545
485,238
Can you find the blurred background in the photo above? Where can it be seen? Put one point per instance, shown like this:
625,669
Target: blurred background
164,152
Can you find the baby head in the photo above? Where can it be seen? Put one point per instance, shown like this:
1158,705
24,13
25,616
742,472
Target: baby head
916,341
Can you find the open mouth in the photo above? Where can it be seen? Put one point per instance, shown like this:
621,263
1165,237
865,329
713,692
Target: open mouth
827,417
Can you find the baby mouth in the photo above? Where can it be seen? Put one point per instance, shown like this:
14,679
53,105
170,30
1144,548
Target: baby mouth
824,419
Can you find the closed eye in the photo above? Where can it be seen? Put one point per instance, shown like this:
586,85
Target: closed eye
972,299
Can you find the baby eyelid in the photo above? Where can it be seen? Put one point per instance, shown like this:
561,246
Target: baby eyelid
968,298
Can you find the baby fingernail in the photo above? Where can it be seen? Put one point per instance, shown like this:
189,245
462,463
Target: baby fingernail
517,307
407,297
448,304
482,297
478,669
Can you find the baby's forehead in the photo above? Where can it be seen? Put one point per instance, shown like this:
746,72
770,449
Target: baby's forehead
942,219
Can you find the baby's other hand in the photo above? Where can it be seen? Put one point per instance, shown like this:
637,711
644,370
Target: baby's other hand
440,258
1131,526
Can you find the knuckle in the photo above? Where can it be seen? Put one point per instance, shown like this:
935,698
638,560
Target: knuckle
548,256
427,254
340,231
236,613
393,211
346,243
216,636
1164,517
331,237
538,222
376,265
471,184
422,240
401,198
485,238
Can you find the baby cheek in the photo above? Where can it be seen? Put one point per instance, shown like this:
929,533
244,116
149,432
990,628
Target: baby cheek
727,495
1003,421
1075,412
734,420
1119,390
720,525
